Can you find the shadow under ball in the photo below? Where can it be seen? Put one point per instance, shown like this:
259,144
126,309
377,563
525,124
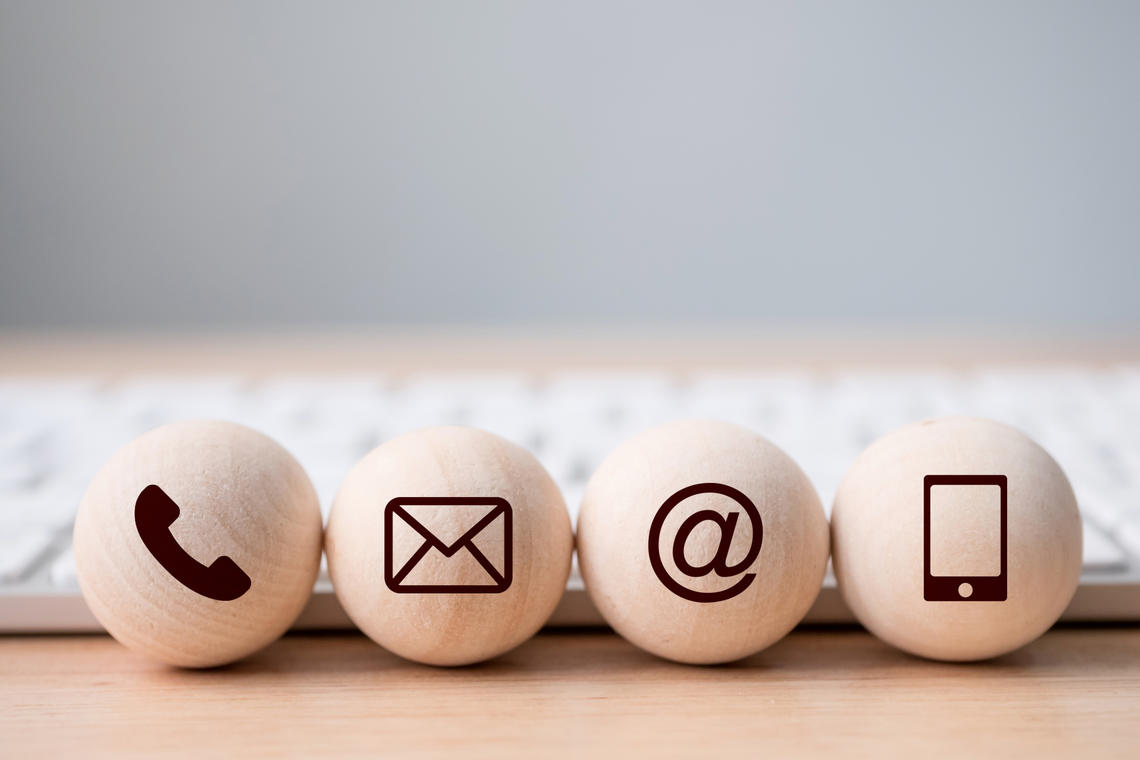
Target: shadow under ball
644,483
421,554
879,529
198,543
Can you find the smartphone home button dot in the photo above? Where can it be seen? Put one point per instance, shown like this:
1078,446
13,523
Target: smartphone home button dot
965,590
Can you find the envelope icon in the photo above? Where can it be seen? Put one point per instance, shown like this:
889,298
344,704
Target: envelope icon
466,545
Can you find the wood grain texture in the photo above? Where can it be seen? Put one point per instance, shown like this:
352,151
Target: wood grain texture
877,529
229,492
1074,692
531,542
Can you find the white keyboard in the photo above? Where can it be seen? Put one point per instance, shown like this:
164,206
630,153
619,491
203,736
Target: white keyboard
55,433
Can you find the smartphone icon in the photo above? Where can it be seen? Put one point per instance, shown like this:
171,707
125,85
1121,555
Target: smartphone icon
155,512
964,538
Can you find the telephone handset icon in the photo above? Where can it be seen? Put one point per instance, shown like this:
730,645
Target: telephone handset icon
155,512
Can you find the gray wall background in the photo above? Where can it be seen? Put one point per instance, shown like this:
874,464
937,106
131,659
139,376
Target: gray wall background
875,162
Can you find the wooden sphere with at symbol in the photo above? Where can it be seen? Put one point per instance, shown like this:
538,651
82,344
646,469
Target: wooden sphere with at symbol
701,542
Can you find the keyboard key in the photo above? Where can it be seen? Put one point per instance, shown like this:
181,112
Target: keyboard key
1099,552
1129,536
342,401
50,506
62,572
326,476
148,401
1105,507
19,471
49,400
21,549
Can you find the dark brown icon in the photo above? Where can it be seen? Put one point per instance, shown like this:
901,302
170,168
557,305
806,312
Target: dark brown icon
985,585
498,579
719,563
155,512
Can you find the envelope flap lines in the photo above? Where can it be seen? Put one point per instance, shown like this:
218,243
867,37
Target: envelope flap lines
465,540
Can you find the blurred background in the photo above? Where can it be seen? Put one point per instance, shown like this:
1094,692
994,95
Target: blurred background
251,164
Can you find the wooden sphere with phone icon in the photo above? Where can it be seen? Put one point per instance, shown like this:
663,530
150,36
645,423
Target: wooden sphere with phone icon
198,543
956,539
701,542
449,545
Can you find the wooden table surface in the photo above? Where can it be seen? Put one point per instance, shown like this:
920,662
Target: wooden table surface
837,692
819,692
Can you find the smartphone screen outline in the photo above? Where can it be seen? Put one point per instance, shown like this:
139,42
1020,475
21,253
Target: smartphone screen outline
965,588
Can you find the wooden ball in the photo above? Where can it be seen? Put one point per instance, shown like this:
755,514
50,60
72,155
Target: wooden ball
940,484
701,541
198,543
449,545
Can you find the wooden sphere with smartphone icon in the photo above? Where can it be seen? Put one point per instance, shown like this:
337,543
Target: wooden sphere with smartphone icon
701,542
956,539
449,545
198,543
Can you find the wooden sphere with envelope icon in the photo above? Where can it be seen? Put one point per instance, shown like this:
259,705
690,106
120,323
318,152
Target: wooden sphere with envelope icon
701,541
198,543
956,539
449,545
